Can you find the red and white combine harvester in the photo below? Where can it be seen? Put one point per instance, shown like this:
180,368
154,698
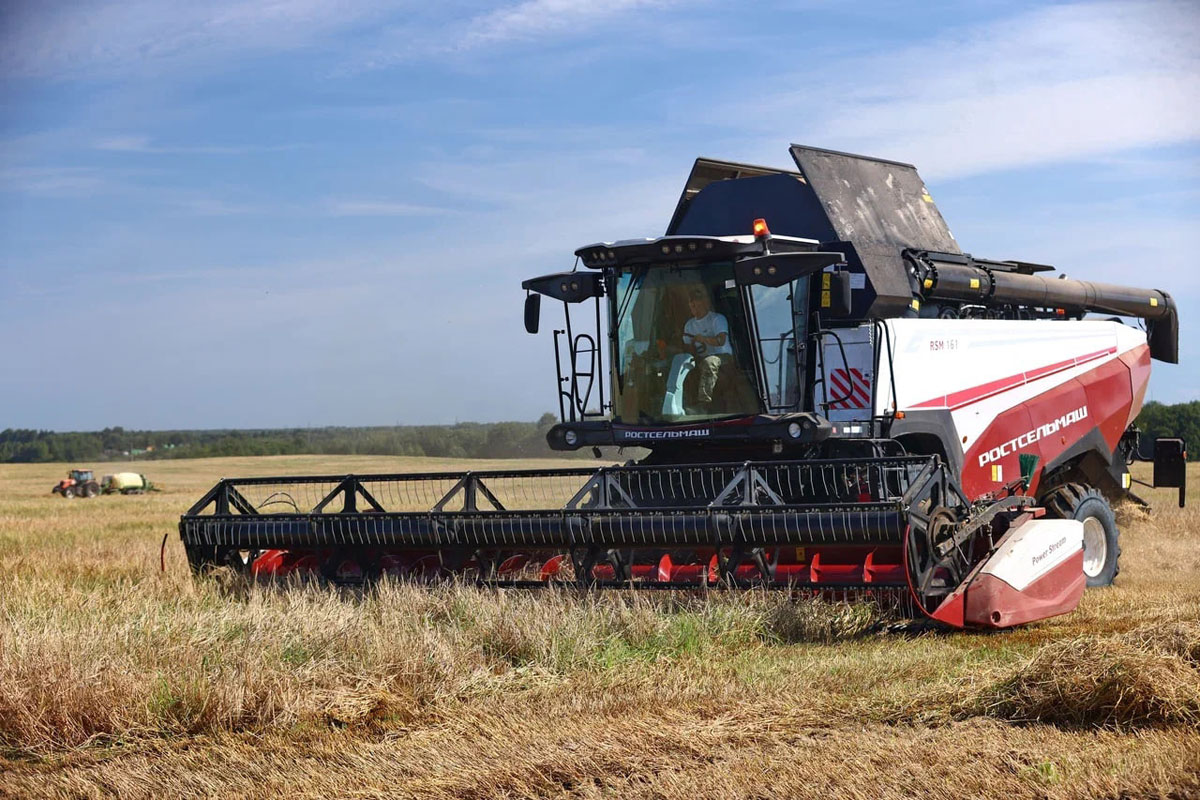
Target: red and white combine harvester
835,399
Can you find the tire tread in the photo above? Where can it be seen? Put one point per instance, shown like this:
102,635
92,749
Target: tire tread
1065,499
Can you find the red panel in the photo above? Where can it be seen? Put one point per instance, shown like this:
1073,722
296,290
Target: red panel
1052,405
513,564
976,478
950,612
669,571
270,562
992,603
551,568
1107,394
792,573
876,572
828,566
1138,361
281,563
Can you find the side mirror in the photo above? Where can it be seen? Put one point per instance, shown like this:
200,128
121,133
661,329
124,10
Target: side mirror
835,293
533,312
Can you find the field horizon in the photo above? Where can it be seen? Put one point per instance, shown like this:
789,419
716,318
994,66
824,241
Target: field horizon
121,678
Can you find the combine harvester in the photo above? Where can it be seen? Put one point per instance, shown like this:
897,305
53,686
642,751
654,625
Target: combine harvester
842,402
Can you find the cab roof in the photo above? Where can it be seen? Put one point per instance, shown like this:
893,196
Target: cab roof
676,249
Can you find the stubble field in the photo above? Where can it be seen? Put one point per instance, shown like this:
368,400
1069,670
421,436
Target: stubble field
117,678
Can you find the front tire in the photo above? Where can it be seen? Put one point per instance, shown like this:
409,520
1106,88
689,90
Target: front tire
69,492
1101,538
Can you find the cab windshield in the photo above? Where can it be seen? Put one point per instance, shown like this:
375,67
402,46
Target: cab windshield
681,347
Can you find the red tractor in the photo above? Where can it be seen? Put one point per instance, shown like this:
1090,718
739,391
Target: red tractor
78,483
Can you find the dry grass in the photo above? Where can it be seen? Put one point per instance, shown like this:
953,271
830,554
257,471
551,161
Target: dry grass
1146,677
118,679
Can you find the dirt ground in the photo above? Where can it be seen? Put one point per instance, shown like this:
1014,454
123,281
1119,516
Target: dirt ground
117,678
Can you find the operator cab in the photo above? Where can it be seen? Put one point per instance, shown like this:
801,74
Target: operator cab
656,358
707,339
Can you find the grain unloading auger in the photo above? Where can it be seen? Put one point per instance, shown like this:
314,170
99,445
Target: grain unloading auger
848,405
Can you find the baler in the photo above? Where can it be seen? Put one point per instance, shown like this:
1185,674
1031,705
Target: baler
126,483
833,396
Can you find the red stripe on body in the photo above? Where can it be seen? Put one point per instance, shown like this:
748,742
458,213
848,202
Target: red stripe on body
1049,369
1095,355
977,393
965,397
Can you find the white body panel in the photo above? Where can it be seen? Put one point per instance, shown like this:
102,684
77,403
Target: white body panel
1033,550
936,359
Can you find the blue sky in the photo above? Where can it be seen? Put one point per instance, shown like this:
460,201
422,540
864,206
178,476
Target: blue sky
221,214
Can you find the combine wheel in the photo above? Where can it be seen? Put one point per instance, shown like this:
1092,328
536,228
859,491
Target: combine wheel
1101,539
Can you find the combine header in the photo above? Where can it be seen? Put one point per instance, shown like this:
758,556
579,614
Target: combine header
835,398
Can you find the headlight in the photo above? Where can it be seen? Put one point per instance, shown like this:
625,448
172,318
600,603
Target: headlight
794,430
571,438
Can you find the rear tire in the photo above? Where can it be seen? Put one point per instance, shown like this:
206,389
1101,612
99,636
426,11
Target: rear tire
91,490
1101,538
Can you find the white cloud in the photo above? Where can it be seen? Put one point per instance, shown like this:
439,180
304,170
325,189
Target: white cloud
214,207
143,144
1059,84
39,40
115,36
124,144
521,23
53,181
536,18
1036,124
382,208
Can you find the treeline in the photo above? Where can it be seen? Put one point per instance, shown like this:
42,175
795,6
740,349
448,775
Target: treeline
464,440
1180,420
